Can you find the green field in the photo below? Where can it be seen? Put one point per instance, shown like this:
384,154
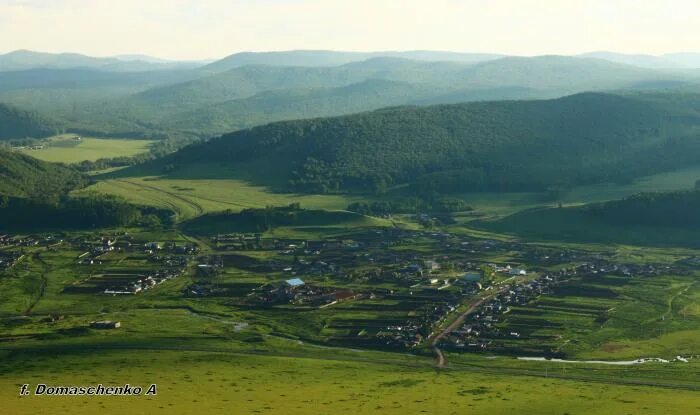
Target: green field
191,198
220,353
64,149
499,204
245,383
193,192
224,352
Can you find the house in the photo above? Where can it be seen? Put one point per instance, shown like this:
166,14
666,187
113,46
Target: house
517,271
105,324
295,282
153,246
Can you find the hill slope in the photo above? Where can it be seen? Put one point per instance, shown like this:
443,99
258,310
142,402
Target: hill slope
643,219
23,176
509,145
256,94
16,123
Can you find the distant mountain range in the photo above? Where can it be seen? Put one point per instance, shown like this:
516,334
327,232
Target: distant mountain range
249,89
25,59
333,58
251,95
665,61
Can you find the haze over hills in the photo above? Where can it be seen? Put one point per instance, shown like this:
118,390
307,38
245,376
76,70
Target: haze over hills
271,86
25,59
665,61
252,95
334,58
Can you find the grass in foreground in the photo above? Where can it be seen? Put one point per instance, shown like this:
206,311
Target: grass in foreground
230,383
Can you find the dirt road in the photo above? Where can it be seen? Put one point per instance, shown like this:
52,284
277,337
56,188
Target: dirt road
439,356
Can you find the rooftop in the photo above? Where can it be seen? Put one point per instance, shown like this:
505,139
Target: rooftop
295,282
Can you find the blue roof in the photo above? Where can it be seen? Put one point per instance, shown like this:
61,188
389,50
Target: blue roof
295,282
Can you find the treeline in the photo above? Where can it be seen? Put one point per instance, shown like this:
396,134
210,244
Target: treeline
673,209
85,212
265,219
410,205
487,146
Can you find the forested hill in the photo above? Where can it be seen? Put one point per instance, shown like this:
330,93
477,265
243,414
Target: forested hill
24,176
674,209
507,145
17,123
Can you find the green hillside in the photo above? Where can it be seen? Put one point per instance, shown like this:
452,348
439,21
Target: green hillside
24,176
211,104
16,123
288,104
673,209
548,73
655,219
508,145
254,89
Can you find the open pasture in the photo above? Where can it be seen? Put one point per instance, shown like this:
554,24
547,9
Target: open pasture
245,383
190,198
66,149
608,317
499,204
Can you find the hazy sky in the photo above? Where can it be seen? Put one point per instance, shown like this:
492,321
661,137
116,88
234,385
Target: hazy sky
194,29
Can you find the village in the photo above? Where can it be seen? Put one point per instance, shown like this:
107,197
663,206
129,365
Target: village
379,288
426,275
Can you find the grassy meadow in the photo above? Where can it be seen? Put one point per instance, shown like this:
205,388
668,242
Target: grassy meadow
195,190
194,197
500,204
238,383
64,149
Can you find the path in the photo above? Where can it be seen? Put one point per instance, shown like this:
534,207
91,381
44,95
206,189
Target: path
440,357
197,208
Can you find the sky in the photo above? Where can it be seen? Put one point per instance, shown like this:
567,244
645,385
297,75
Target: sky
209,29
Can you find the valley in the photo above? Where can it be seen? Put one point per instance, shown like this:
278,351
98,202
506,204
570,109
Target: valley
310,231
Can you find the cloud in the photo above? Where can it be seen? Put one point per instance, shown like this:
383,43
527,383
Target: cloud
214,28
